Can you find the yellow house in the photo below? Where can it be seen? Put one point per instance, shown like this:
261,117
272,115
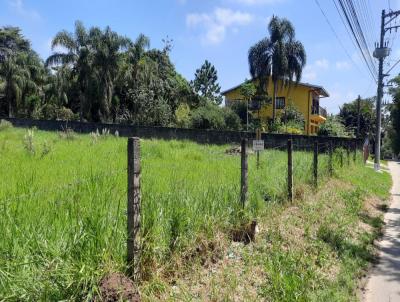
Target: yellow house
305,97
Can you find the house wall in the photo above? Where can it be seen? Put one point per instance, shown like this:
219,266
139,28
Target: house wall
298,95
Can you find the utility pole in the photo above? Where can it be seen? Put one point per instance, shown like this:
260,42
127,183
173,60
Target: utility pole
381,52
358,116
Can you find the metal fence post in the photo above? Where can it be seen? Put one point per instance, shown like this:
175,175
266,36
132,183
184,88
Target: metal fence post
244,172
133,243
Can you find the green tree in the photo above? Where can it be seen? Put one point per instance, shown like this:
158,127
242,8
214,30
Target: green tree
349,112
78,55
11,42
279,56
107,57
248,91
394,119
205,83
21,70
333,126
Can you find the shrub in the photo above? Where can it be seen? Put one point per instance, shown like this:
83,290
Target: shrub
65,114
209,116
232,120
182,116
333,127
5,125
240,108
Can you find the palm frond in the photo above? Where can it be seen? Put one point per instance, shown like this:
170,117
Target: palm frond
64,39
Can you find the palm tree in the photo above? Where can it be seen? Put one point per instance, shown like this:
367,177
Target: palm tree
107,56
78,55
16,78
279,56
12,41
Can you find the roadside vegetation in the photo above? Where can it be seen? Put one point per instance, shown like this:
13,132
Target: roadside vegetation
63,216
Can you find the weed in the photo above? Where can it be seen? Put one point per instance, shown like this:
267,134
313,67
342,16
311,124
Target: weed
28,141
46,149
67,133
5,125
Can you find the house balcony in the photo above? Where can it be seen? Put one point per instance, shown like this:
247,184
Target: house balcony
318,113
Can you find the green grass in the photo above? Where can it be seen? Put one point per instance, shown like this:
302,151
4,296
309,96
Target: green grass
63,209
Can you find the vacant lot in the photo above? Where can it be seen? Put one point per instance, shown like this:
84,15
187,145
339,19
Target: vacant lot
63,221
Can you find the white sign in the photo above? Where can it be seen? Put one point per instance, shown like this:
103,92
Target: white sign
258,145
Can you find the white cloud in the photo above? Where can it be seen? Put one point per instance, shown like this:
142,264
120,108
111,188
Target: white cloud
323,64
218,22
19,7
343,65
258,2
311,71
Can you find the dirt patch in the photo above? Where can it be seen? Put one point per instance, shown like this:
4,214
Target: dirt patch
237,150
117,287
245,233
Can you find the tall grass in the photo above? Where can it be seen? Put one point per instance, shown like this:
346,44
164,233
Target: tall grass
63,207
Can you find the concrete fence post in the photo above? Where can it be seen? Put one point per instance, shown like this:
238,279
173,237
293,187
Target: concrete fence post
133,241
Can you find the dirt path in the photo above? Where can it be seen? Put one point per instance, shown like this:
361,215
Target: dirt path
384,282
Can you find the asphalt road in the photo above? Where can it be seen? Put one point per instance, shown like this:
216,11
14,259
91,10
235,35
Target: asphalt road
384,282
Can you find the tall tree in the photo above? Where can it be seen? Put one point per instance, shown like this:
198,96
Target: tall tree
78,55
349,115
205,83
12,41
107,57
394,133
279,56
20,69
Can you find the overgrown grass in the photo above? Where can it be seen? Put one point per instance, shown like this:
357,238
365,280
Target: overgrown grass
63,210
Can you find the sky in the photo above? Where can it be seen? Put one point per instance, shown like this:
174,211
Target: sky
221,31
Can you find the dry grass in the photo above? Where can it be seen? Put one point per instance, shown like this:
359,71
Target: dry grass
241,274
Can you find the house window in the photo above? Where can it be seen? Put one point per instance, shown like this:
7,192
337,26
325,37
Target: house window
280,103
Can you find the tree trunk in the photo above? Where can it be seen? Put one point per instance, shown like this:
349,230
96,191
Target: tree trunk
81,107
8,96
10,113
274,101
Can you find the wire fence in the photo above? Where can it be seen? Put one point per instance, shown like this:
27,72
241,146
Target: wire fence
171,203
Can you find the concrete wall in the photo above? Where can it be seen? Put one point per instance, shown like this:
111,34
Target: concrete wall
199,136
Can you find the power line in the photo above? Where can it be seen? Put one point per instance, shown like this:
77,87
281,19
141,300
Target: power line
360,31
337,36
350,20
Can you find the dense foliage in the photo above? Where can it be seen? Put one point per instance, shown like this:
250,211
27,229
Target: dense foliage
333,126
392,139
98,75
349,116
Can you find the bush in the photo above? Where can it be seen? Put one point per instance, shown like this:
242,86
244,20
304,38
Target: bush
65,114
232,120
333,127
182,116
209,116
240,108
5,125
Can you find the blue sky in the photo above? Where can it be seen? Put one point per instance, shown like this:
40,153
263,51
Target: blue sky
220,31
